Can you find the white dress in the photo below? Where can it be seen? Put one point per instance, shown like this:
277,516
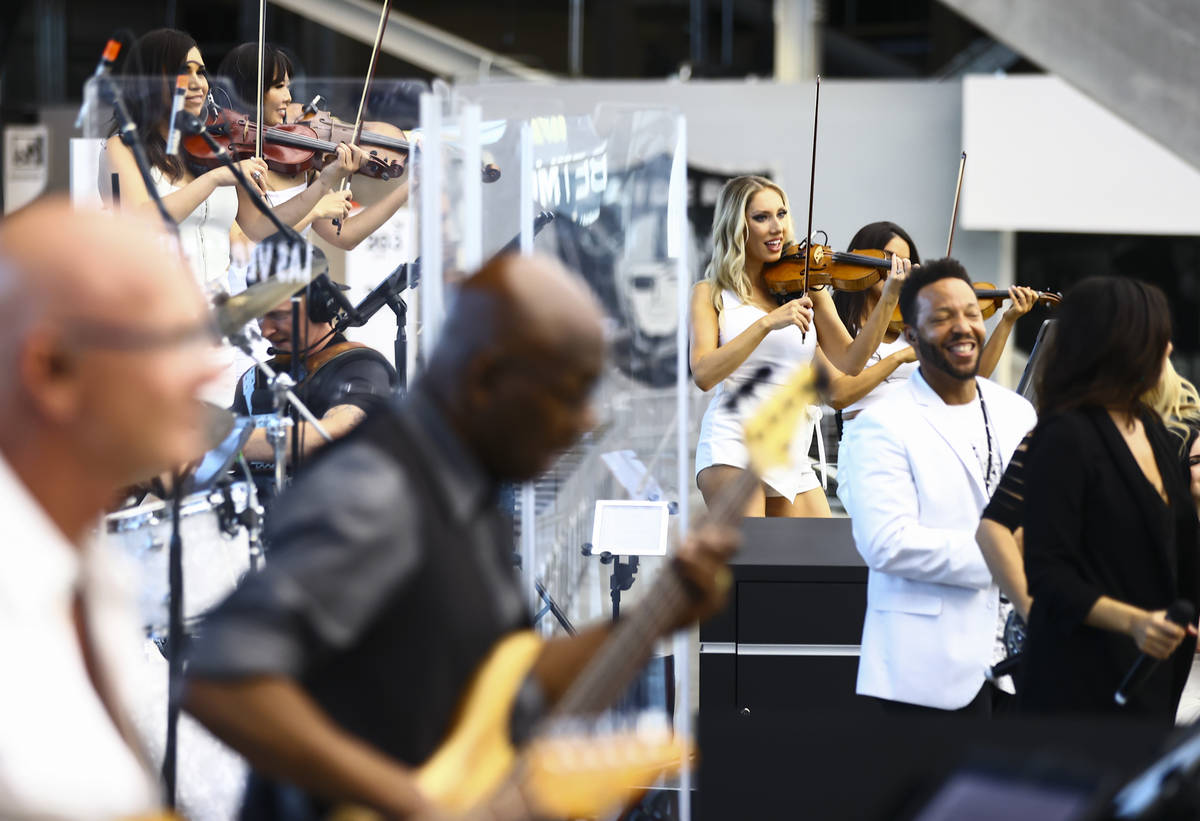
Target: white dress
895,380
721,440
204,241
239,267
203,234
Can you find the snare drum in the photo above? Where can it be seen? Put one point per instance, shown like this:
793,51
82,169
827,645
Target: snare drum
216,551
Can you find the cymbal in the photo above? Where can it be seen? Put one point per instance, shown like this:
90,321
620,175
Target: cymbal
233,312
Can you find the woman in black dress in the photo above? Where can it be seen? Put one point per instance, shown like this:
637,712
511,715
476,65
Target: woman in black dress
1110,529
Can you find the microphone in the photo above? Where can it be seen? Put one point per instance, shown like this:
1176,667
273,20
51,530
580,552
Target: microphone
313,107
1003,668
181,84
1181,612
108,59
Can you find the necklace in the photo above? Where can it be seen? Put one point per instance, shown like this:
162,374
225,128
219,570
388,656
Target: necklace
987,431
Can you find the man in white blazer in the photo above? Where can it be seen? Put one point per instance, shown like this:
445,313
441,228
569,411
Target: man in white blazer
915,477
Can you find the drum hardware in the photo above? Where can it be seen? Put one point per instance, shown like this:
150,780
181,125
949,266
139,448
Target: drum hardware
280,385
252,516
216,550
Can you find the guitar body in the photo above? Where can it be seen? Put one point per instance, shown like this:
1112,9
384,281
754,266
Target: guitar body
478,754
562,776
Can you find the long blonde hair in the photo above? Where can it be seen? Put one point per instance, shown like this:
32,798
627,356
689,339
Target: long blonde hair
1174,399
727,268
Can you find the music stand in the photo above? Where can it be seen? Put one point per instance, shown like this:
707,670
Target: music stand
630,529
1027,387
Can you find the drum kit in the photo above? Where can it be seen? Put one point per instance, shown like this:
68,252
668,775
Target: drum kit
189,545
219,522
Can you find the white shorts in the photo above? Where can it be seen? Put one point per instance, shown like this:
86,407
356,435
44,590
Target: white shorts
721,442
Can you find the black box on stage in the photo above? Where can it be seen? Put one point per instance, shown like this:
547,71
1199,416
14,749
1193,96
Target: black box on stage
789,637
782,733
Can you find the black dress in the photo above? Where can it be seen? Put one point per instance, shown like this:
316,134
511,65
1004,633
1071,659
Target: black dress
1094,525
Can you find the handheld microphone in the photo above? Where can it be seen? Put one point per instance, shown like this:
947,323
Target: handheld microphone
1181,612
1003,668
181,84
108,59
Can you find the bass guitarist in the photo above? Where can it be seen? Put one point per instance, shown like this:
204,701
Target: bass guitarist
339,669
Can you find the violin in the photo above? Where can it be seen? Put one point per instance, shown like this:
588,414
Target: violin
388,140
989,297
389,147
288,149
854,270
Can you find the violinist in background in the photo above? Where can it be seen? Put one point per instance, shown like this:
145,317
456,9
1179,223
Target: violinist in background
737,327
894,361
204,203
240,67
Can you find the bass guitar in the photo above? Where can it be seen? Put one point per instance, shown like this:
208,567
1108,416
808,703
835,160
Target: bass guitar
564,775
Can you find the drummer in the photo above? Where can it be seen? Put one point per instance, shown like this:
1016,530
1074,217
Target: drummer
340,380
105,340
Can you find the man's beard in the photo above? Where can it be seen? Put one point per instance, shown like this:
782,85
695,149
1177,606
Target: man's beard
934,357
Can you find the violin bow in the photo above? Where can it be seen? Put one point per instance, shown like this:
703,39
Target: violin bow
812,179
262,49
962,166
362,103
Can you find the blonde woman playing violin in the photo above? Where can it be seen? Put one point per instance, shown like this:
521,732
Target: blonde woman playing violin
736,328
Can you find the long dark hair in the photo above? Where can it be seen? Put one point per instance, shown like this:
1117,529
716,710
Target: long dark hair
240,70
851,305
1108,346
153,63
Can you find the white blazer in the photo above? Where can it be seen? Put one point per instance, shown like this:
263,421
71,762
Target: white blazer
914,492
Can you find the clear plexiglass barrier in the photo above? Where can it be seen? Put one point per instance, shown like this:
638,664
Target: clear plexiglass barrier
373,244
604,193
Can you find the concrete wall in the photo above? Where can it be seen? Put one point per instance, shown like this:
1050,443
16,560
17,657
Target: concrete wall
886,150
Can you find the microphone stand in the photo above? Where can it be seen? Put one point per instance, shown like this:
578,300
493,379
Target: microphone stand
129,136
281,385
190,124
295,376
386,293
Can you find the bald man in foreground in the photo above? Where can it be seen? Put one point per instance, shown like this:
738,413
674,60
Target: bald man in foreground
339,668
104,338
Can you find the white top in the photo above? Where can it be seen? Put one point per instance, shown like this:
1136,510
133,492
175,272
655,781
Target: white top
721,430
281,196
968,422
894,380
61,756
782,350
240,263
203,234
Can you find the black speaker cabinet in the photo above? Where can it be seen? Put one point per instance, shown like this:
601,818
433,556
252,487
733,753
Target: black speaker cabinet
789,638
